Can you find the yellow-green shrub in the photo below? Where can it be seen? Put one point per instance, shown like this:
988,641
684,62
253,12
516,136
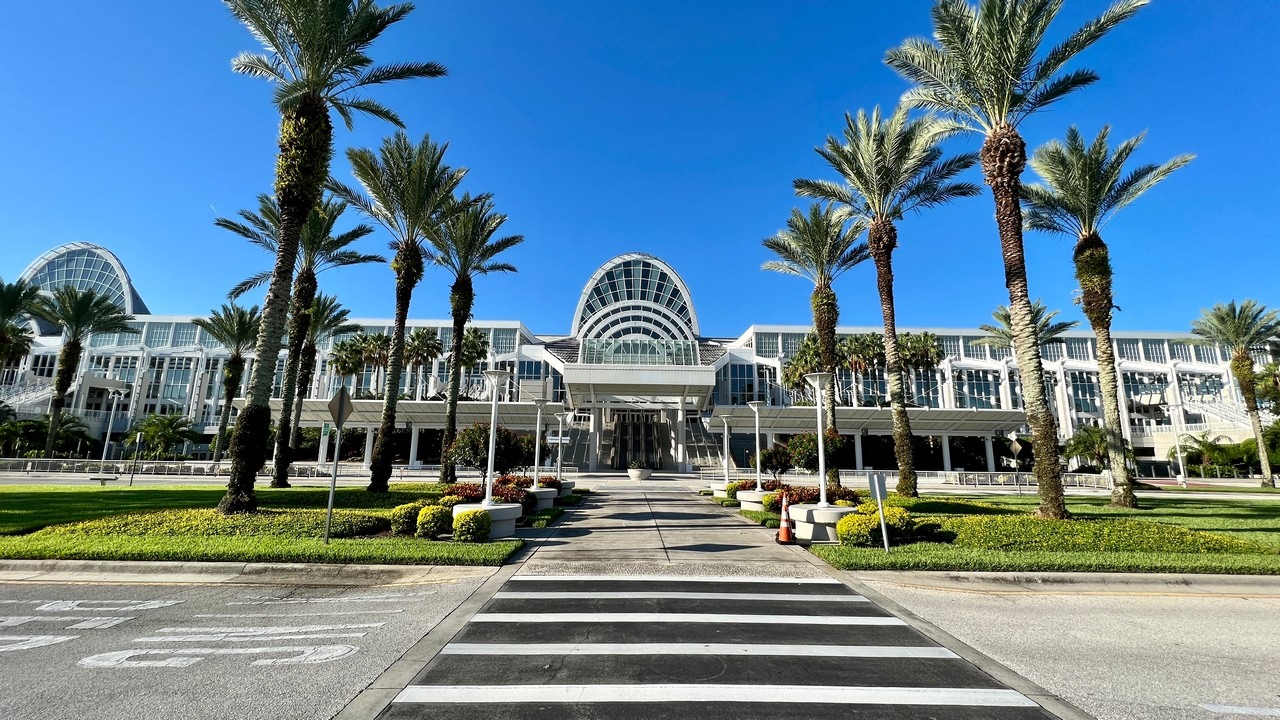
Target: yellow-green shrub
434,521
864,529
404,518
1025,532
472,526
448,501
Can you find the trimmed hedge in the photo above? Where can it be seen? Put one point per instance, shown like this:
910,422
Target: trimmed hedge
549,482
520,481
472,526
404,518
210,523
1026,532
448,501
434,521
804,494
864,529
731,490
469,492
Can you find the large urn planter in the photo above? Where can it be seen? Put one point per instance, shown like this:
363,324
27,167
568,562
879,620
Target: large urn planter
817,524
639,473
502,515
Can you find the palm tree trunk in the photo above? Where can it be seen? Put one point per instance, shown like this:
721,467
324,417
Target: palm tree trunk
826,315
231,373
306,372
68,362
304,294
461,297
1093,271
1004,156
384,446
306,146
1242,368
882,238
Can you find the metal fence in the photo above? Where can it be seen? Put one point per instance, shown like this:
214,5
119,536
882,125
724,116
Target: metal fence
206,468
858,478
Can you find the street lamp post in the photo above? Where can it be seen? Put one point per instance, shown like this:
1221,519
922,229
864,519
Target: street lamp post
755,408
560,416
725,418
496,377
539,403
1176,417
819,382
116,394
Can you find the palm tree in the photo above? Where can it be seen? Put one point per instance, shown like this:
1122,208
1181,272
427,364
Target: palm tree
863,354
1243,329
986,71
820,246
805,360
921,352
316,54
891,166
1210,450
235,328
80,313
1093,445
421,347
328,318
407,189
474,350
162,433
346,359
466,245
1044,329
1268,381
318,250
1085,186
19,301
375,350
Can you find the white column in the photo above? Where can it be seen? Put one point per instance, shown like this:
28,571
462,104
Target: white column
324,448
857,450
1006,387
991,454
593,441
946,453
1066,428
682,457
368,447
413,447
771,440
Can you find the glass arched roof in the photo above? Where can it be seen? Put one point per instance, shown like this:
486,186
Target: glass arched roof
635,295
87,267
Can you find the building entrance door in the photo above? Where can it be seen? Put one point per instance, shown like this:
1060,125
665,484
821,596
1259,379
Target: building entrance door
637,436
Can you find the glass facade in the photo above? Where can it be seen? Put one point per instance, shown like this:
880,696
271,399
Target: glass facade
978,389
638,351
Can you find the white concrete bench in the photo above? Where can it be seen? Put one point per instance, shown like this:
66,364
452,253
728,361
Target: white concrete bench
103,479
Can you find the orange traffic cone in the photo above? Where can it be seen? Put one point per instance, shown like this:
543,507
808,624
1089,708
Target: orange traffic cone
785,536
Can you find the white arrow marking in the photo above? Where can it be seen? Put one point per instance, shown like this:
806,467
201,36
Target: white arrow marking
186,657
81,622
27,642
104,605
1240,710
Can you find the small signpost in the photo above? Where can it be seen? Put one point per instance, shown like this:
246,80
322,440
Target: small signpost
339,410
876,483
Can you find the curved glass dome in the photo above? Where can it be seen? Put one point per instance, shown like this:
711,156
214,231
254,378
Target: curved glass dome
87,267
635,295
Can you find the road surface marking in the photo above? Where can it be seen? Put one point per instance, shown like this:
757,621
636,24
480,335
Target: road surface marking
105,605
836,695
305,614
729,618
865,651
673,596
409,597
26,642
677,578
80,622
186,657
241,634
1239,710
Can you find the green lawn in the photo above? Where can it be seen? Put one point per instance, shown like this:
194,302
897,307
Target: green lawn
177,523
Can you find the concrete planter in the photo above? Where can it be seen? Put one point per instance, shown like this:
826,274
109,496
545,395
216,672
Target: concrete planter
751,500
503,515
718,489
546,496
639,473
566,488
817,524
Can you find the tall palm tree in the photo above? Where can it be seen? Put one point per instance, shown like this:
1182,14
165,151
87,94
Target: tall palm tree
805,360
466,245
1093,444
161,434
1209,449
1244,328
80,313
421,347
319,249
921,352
316,54
1084,187
407,188
985,70
328,318
1044,329
375,351
820,246
235,328
19,301
863,354
891,166
346,359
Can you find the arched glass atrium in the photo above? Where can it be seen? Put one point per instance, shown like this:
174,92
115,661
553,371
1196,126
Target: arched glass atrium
87,267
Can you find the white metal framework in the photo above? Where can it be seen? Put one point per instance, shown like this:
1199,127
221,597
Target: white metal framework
87,267
635,294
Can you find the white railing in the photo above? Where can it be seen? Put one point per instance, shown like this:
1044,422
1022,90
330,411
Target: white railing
857,479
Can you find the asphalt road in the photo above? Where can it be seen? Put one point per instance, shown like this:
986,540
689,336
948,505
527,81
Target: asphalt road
1147,655
108,652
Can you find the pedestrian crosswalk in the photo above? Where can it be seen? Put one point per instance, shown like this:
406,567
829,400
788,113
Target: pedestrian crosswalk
599,646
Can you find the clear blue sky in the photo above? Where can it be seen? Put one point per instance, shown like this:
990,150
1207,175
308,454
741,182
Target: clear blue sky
673,128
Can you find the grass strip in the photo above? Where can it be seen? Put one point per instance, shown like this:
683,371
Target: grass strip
544,517
762,517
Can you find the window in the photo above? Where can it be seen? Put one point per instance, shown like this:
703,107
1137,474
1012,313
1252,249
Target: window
791,343
1053,351
1181,351
978,389
1000,353
504,341
742,383
767,345
973,349
1084,390
157,335
950,346
1079,348
184,335
529,370
928,392
1206,354
1127,349
42,365
102,340
1154,350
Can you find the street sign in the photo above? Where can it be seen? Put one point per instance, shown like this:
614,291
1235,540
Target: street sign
875,483
324,430
340,407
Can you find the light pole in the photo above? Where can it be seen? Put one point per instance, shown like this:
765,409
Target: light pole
495,377
116,394
725,418
755,408
560,416
819,382
1177,435
539,403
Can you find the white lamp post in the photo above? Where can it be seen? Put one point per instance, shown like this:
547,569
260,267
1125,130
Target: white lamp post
725,418
540,403
496,377
560,416
755,408
819,382
1177,435
106,441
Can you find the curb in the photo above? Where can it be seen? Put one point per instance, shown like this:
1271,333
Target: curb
1077,583
213,573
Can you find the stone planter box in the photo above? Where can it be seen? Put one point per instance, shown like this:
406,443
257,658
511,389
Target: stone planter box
718,489
546,496
639,473
566,487
817,524
751,500
503,515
